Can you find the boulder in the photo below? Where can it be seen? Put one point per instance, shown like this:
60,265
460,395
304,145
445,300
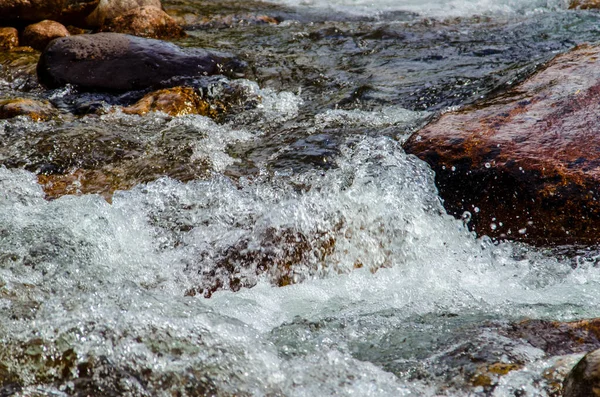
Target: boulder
40,34
36,110
118,62
177,101
109,9
145,21
9,38
584,378
526,164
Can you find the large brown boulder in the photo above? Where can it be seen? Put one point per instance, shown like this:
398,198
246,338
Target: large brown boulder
109,9
145,21
40,34
525,165
118,62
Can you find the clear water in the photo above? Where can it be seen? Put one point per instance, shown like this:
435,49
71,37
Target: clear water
388,295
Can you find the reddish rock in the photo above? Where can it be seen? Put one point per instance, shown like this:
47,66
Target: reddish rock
40,34
36,110
558,338
584,4
9,38
526,165
177,101
110,9
145,21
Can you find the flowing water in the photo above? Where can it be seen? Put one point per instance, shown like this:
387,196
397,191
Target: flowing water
290,247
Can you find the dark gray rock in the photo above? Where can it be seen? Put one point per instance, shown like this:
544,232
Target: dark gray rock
118,62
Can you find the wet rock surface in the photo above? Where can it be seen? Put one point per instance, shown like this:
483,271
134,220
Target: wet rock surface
147,21
525,164
9,38
90,61
178,101
36,110
40,34
584,378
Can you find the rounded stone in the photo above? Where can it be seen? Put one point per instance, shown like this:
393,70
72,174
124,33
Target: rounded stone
36,110
177,101
40,34
118,62
9,38
147,21
109,9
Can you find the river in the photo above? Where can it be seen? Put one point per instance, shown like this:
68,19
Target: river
291,248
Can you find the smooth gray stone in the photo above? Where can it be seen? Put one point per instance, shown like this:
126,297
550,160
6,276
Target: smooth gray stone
119,62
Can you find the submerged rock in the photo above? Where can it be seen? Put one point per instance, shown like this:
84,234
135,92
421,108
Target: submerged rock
525,165
145,21
178,101
40,34
9,38
118,62
584,378
558,338
36,110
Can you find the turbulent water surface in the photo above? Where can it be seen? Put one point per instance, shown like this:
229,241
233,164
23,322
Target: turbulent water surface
290,247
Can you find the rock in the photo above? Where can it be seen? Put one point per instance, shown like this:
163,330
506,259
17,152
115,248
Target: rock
145,21
584,378
37,110
558,338
118,62
40,34
525,164
177,101
109,9
584,4
9,38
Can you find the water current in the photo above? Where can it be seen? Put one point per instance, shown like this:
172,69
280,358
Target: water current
290,248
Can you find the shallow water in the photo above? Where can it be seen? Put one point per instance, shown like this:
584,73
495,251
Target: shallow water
330,263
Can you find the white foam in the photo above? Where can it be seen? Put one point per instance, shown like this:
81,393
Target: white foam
432,8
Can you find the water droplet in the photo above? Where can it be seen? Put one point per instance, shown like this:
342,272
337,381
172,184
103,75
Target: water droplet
493,226
487,165
523,231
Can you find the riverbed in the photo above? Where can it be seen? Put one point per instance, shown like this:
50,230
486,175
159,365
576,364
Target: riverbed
289,247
